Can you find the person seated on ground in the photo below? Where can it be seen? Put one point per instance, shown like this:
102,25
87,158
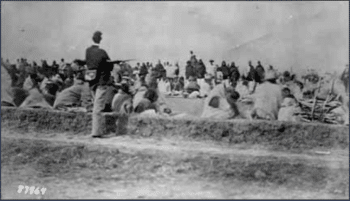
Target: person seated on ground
78,65
297,90
242,88
267,98
162,86
66,72
179,85
68,82
33,80
140,92
51,91
122,101
41,98
71,97
192,88
342,115
147,102
289,107
51,78
112,90
206,86
167,86
221,103
161,103
13,96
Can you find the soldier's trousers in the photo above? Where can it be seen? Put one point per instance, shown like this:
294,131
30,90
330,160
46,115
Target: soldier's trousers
98,107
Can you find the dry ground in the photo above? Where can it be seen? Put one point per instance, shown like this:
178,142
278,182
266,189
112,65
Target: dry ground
73,167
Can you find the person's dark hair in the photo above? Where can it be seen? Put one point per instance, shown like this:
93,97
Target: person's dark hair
33,76
235,95
151,95
214,102
273,81
79,62
245,82
292,77
125,88
286,74
79,75
52,88
290,96
41,70
300,84
97,37
286,90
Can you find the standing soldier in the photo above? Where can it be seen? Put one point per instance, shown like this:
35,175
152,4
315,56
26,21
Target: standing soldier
100,71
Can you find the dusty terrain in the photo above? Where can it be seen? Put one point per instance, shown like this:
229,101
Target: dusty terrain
72,166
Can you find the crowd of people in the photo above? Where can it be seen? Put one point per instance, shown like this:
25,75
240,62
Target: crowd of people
97,84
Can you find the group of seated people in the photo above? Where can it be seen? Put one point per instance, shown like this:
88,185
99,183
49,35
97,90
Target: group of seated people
270,99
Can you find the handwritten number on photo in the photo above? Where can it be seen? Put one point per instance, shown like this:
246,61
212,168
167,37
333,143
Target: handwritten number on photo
32,190
20,188
27,188
37,191
43,191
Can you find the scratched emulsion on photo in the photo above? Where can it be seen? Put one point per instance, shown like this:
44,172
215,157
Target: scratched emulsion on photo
174,100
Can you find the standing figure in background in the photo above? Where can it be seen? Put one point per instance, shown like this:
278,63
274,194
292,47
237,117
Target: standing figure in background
225,72
260,71
177,70
200,71
211,68
190,71
193,59
234,74
251,78
143,70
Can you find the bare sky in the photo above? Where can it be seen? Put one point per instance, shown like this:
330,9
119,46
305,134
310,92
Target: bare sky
283,34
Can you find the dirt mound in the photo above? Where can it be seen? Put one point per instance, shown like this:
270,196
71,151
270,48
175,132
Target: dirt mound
280,135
